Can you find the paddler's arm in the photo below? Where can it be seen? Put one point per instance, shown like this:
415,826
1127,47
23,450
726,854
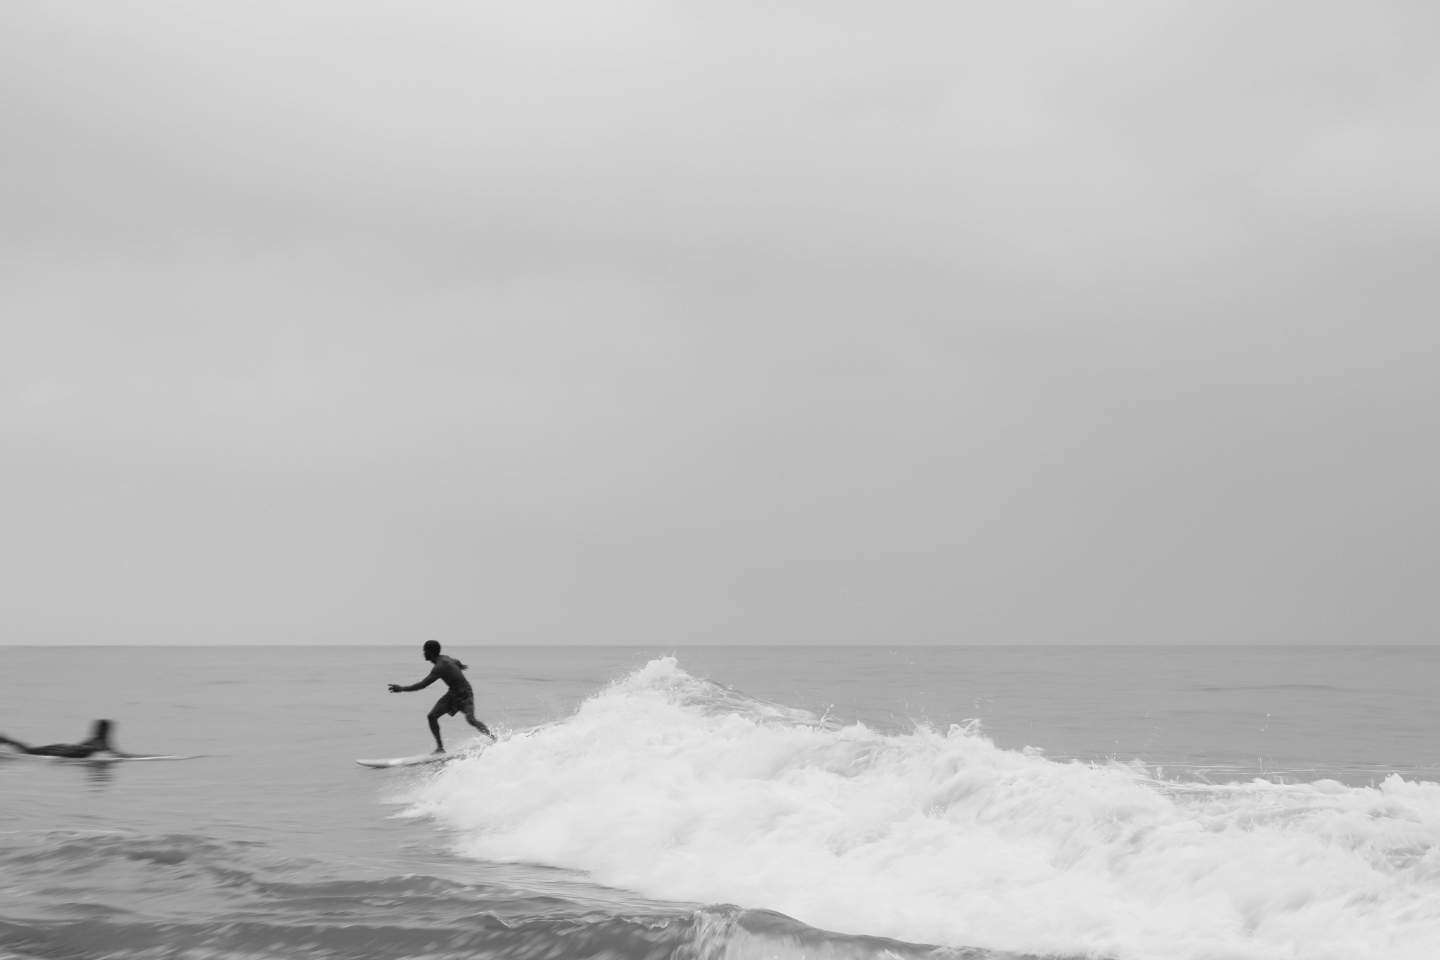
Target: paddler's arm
434,675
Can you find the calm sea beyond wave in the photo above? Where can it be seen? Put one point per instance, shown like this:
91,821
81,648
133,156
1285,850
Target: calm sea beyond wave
740,802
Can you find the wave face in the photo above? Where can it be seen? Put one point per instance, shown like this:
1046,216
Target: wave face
676,788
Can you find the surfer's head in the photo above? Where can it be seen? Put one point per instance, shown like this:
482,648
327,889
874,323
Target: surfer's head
432,649
100,733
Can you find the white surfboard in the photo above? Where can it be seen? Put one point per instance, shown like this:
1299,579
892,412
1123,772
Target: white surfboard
414,761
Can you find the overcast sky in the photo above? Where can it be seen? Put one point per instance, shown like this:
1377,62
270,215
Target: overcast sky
692,322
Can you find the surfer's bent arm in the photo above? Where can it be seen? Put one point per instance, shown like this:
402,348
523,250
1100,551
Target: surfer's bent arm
434,675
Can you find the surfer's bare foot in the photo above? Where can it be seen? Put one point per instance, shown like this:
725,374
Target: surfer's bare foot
439,750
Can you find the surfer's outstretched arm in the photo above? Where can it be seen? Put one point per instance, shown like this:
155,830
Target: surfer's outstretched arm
14,743
434,675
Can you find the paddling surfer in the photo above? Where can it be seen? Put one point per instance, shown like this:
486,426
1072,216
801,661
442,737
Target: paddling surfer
460,698
99,742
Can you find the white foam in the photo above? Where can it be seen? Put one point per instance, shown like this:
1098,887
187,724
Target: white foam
671,787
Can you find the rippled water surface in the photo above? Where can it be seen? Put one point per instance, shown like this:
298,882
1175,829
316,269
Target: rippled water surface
729,802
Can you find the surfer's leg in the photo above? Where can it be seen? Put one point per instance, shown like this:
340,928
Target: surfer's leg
434,717
478,725
70,751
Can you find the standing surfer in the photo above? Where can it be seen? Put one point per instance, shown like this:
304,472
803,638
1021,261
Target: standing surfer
460,698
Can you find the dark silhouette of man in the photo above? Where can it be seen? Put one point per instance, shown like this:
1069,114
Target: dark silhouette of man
99,742
460,698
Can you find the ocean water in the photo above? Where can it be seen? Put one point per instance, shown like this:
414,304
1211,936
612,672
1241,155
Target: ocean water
734,802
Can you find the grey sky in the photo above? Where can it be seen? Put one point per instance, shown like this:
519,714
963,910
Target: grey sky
672,323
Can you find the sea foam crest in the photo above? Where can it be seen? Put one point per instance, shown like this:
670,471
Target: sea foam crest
680,789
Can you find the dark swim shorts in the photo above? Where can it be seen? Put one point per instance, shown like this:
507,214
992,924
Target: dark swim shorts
457,701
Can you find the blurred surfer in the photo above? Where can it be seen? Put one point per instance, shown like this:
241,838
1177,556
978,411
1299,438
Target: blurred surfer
99,742
460,698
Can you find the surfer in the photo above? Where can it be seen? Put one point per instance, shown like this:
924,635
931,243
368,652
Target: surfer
460,698
99,742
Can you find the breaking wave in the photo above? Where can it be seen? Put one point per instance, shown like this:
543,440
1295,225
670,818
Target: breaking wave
685,791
